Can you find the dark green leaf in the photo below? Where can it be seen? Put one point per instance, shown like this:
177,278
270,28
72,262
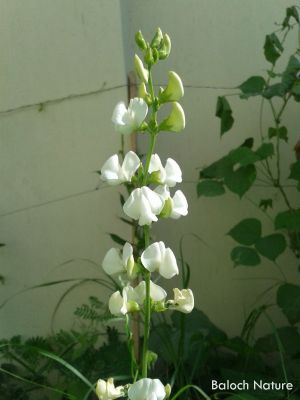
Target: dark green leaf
2,244
295,171
224,112
218,169
122,199
272,48
117,239
288,299
289,76
271,246
252,86
291,12
264,204
243,156
246,232
244,256
282,133
241,180
296,88
248,143
289,337
288,220
278,89
265,151
210,188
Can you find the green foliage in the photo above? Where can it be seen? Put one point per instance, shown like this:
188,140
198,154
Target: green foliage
288,299
247,231
224,112
244,256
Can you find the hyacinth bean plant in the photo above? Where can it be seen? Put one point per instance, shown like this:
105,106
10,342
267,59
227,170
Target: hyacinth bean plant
149,184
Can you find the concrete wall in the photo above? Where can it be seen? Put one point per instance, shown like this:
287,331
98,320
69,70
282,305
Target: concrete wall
215,43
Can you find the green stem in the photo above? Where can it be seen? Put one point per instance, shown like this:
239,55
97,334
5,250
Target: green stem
187,387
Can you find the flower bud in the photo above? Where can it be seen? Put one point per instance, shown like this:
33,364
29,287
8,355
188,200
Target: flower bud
149,59
151,358
140,41
168,390
174,90
157,38
132,306
165,50
159,306
141,71
144,94
175,121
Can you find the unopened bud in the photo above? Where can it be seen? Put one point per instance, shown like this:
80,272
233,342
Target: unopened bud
140,41
141,71
174,90
168,390
149,59
144,94
157,38
165,50
175,121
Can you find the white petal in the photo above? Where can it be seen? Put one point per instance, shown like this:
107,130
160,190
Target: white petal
154,200
130,165
147,389
127,253
157,293
118,113
111,171
159,389
156,165
146,214
180,205
152,257
173,173
129,294
132,204
168,266
112,262
139,109
116,304
163,191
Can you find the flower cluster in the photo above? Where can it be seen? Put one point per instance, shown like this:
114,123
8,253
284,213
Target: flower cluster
149,184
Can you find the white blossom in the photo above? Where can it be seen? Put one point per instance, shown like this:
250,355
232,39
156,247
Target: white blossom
128,120
107,390
113,263
183,300
168,175
157,293
143,205
147,389
113,173
157,257
178,203
121,304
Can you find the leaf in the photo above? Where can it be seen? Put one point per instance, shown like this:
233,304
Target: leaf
282,133
2,244
264,204
218,169
243,156
289,336
224,112
296,88
289,76
291,12
241,180
210,188
246,232
265,151
277,89
271,246
122,199
288,299
244,256
117,239
288,220
272,48
295,171
252,86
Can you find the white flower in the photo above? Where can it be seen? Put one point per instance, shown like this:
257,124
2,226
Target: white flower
174,90
144,205
168,175
177,205
129,120
147,389
175,121
157,257
141,71
107,390
113,263
183,300
113,173
157,293
121,304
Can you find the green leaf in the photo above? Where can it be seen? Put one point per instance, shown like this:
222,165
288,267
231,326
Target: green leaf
210,188
2,244
291,12
288,299
224,112
295,171
117,239
252,86
289,76
218,169
296,88
265,151
289,336
271,246
288,220
282,133
272,48
246,232
264,204
244,256
277,89
122,199
243,156
241,180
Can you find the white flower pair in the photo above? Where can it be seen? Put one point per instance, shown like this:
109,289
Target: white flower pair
146,389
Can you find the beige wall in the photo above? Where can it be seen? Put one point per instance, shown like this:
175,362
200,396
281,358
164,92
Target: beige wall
215,43
54,48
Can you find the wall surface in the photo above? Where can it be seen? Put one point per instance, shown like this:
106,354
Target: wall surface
52,49
216,44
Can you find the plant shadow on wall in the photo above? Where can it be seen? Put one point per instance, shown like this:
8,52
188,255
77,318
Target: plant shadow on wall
187,350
